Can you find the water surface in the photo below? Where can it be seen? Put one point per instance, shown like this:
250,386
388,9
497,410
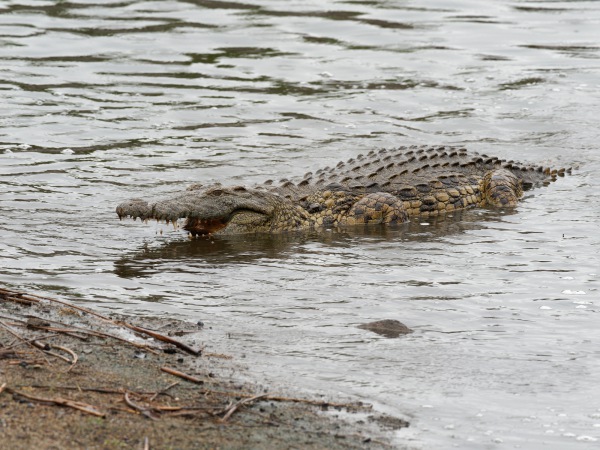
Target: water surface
108,100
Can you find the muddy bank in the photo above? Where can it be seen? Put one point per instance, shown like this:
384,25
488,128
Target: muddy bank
74,378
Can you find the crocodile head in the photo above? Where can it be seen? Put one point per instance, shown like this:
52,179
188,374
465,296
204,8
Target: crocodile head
218,209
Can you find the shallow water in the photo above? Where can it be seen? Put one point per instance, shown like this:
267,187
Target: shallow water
104,101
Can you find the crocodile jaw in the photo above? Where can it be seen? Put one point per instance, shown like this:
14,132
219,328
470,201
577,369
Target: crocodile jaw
208,211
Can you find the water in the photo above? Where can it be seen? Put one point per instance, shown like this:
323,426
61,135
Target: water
108,100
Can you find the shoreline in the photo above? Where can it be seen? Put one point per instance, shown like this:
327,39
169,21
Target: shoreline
71,377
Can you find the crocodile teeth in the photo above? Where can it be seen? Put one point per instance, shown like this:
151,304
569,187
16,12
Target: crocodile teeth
205,227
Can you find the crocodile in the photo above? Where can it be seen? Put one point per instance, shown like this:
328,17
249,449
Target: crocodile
387,186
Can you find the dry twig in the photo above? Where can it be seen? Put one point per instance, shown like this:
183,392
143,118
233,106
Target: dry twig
46,349
70,352
15,334
148,412
84,407
275,398
160,337
185,376
156,394
229,411
15,296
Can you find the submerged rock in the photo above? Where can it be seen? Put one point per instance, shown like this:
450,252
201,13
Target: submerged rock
389,328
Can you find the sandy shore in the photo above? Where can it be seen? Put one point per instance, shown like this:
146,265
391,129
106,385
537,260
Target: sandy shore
75,378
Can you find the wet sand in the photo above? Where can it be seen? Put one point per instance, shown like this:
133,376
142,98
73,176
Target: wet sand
71,377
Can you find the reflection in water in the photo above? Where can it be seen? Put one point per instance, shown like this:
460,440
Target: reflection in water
217,250
194,253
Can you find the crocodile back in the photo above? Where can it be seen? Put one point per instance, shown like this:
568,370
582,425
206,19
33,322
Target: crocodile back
405,169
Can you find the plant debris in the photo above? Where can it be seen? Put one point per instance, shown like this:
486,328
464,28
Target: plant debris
71,377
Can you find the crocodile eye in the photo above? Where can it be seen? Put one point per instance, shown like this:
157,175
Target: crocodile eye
239,189
216,192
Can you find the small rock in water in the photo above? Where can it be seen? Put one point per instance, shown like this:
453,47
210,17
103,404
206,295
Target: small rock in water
388,328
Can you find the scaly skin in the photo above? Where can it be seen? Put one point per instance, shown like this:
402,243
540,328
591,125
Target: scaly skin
385,187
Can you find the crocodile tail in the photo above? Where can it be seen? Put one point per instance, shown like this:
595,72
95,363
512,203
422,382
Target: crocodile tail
533,176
